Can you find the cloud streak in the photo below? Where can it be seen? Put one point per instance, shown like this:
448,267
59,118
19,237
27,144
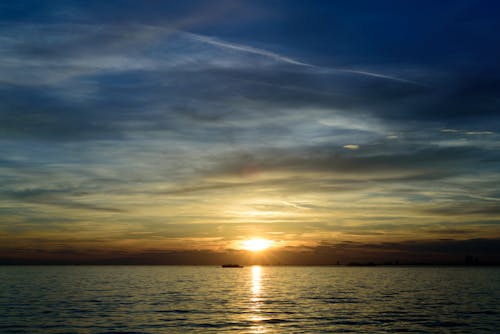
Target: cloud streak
285,59
248,49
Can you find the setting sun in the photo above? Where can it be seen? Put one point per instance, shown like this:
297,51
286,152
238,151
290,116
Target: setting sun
256,245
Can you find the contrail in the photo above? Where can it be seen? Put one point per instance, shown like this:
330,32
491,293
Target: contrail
377,75
249,49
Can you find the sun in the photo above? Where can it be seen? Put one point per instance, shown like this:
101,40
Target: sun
256,245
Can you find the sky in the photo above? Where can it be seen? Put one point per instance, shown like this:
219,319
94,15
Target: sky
171,132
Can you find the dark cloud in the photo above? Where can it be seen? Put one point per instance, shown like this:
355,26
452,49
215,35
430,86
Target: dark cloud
415,163
63,198
467,208
441,251
483,246
423,251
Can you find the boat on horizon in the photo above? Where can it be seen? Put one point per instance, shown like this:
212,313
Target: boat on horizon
232,265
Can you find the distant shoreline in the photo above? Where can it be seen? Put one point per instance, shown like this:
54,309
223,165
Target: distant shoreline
263,265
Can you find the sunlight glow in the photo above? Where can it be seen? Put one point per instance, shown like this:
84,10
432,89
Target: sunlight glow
256,245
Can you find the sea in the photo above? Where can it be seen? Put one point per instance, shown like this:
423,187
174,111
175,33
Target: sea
254,299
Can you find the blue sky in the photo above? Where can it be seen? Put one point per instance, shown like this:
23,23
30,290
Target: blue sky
133,127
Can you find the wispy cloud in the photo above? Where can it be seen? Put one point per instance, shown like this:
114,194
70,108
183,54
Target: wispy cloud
288,60
378,75
248,49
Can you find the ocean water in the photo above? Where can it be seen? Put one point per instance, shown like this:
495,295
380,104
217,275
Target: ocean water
204,299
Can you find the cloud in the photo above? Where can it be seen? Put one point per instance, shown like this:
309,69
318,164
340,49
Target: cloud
469,133
374,161
466,208
424,251
55,197
291,61
249,49
411,251
140,75
377,75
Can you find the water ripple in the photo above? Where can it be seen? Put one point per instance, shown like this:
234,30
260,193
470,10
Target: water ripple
142,299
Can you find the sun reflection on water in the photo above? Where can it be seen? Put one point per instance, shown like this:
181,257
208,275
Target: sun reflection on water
256,271
255,301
